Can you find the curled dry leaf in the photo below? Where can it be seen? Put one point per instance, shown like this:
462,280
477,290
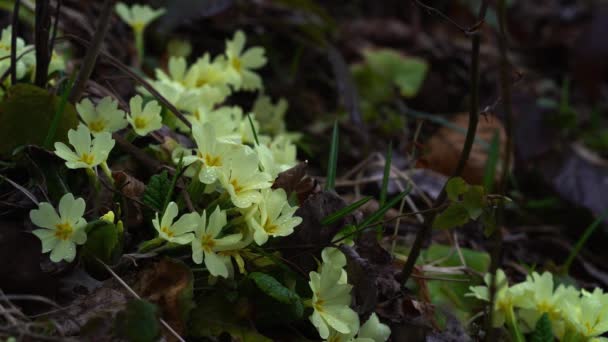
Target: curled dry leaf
445,146
131,188
169,284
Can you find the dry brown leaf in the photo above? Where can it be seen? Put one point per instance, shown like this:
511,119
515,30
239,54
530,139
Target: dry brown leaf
131,188
444,148
167,283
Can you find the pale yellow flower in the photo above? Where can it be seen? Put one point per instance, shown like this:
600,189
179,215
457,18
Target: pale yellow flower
105,117
146,119
86,154
242,63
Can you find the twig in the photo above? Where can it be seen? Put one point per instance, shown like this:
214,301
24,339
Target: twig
93,51
425,232
41,39
13,68
132,292
465,30
496,238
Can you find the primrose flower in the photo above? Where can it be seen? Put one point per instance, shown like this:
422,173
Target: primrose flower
242,179
587,318
372,331
179,232
272,216
242,62
271,116
330,302
138,16
105,117
86,154
541,298
5,51
207,72
213,154
144,120
207,243
61,232
225,121
505,299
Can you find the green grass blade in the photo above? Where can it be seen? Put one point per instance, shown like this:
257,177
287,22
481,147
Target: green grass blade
583,239
332,165
489,173
176,175
255,134
387,174
50,136
377,216
332,218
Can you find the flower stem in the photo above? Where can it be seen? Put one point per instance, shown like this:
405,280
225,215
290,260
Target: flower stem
511,322
139,45
149,245
106,170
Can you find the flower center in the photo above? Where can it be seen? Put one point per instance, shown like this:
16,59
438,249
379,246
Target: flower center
207,243
236,64
270,227
318,304
237,187
87,158
213,161
140,122
63,231
97,126
167,231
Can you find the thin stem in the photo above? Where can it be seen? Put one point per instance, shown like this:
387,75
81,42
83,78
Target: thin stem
425,232
139,45
93,51
41,39
15,19
582,241
496,238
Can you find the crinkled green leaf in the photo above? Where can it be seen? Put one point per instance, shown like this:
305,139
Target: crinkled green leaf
156,190
455,187
407,73
453,216
543,332
273,288
138,322
26,114
474,201
215,315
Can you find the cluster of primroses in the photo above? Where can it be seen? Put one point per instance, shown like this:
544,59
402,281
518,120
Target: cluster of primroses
575,315
236,156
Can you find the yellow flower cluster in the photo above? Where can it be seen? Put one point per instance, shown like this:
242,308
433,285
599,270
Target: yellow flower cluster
576,315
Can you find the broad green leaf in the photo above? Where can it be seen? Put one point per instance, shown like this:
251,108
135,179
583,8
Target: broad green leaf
451,294
332,218
26,114
103,242
474,201
373,88
543,332
453,216
215,315
407,73
332,165
273,288
156,190
455,187
138,322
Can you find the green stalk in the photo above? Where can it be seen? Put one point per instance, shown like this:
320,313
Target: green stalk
139,44
582,241
511,322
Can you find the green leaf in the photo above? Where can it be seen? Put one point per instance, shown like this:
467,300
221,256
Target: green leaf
407,73
138,322
379,214
332,165
334,217
103,242
453,216
375,89
156,190
50,136
455,187
489,173
474,200
543,332
26,115
273,288
215,315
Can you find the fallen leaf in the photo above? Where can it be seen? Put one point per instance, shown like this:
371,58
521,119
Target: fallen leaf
445,147
169,284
